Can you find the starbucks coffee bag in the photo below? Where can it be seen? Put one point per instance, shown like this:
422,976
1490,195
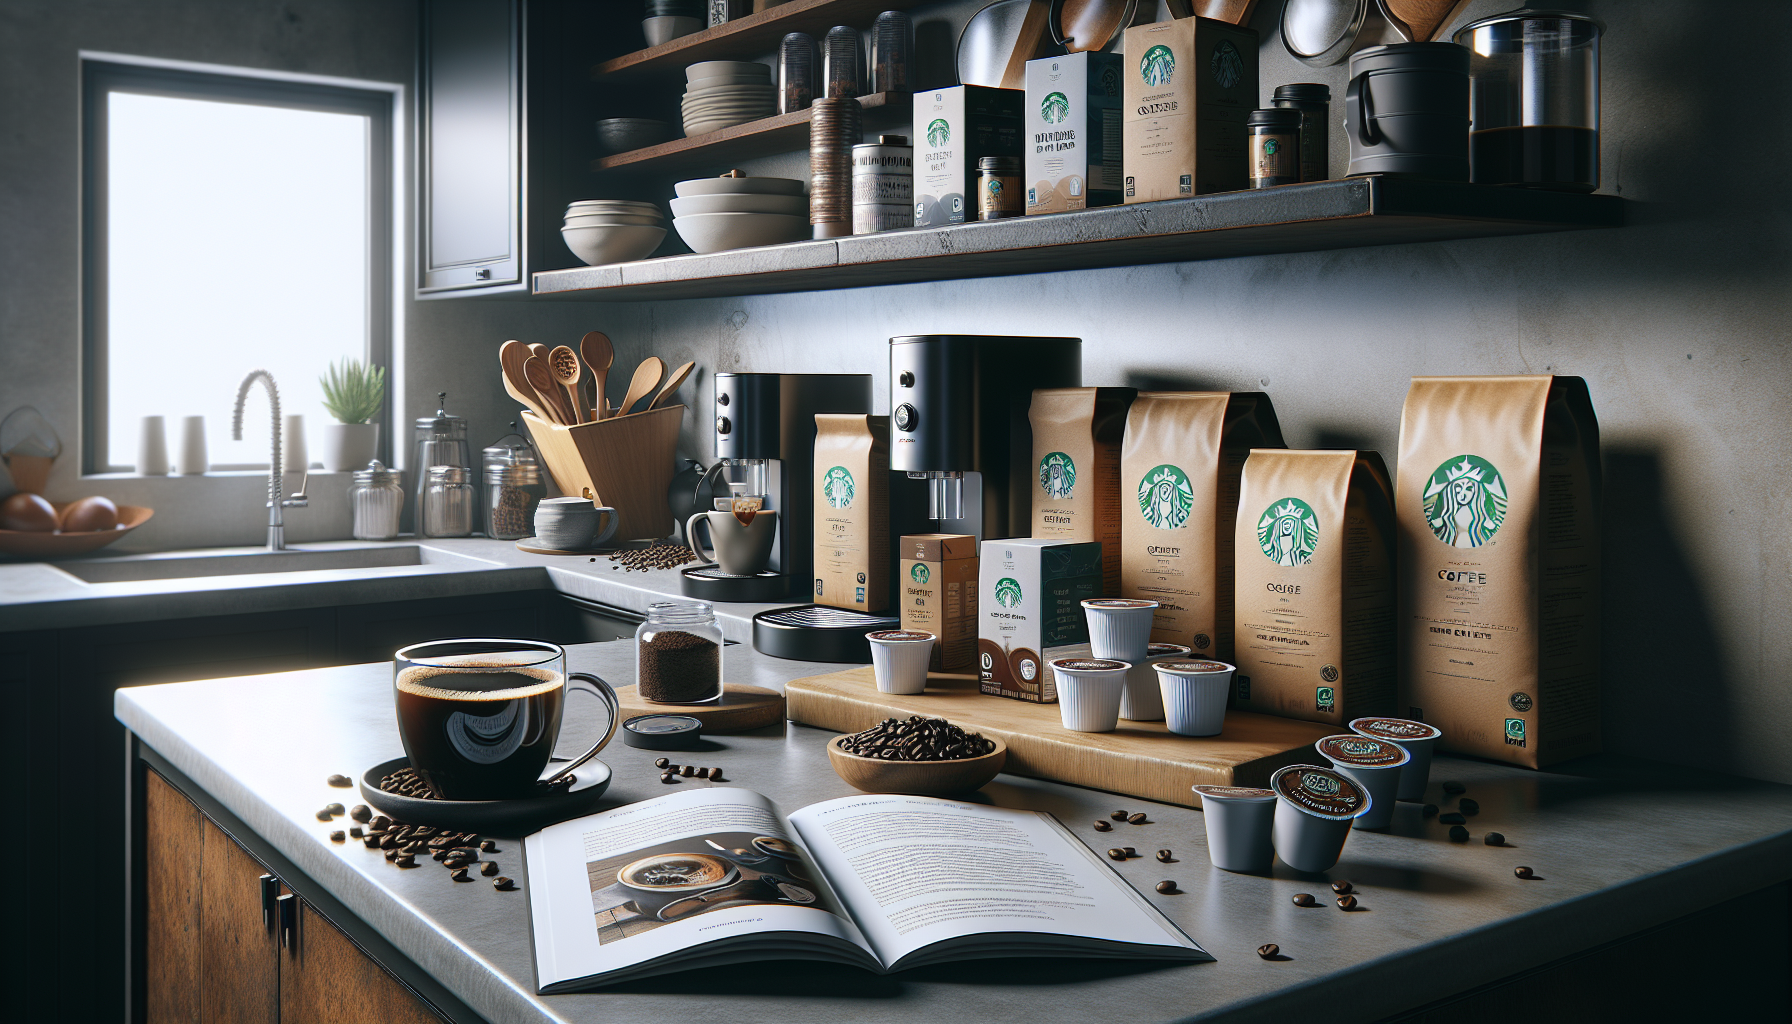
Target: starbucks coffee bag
852,511
1179,470
1497,507
1076,456
1315,586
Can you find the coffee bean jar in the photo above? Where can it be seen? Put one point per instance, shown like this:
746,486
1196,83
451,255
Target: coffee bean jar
678,654
513,487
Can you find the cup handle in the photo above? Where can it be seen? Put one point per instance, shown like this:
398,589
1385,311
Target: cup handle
612,520
605,693
690,536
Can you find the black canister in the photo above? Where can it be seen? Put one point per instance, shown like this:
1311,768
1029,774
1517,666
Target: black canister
1274,146
1406,111
1314,103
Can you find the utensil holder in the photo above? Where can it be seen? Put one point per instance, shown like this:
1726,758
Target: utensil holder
625,462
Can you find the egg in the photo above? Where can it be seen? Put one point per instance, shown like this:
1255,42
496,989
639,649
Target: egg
90,515
27,512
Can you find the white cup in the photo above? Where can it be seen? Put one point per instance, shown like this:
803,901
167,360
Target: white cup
1119,627
1143,699
1314,809
152,447
194,459
1239,821
1089,692
296,458
1417,737
899,659
1194,694
1375,764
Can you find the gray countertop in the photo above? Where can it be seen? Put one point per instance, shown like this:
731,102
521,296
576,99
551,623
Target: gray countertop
1619,845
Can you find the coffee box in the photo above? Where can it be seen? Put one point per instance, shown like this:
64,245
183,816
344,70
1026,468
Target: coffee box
1073,132
1076,462
1029,607
1189,84
852,511
938,587
953,129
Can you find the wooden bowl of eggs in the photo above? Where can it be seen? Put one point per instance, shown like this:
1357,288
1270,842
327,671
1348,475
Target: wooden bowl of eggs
31,527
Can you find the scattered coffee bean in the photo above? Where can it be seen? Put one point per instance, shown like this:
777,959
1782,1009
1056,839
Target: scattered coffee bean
1495,839
1454,788
371,842
503,884
1467,806
323,815
360,812
1103,826
340,781
662,762
1524,872
669,778
488,845
1138,819
1268,950
1116,854
357,832
1130,852
1341,887
489,868
715,775
1166,887
460,875
1347,902
338,837
405,860
1429,810
1451,818
1118,815
1305,899
380,821
1164,856
333,808
1458,834
687,771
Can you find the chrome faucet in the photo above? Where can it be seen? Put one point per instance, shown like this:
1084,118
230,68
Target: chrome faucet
276,521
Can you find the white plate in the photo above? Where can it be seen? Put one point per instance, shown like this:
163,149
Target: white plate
715,232
722,67
735,202
748,186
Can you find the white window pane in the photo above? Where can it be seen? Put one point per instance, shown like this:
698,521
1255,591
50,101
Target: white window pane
236,238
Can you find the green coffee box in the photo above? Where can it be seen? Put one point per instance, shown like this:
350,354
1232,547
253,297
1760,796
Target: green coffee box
953,129
1073,132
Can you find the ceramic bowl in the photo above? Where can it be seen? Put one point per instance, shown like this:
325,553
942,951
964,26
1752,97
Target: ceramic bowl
665,29
707,68
598,246
33,545
587,220
794,206
715,232
739,186
921,778
622,134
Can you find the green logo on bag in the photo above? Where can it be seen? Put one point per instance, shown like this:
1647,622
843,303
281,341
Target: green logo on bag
1288,532
1166,497
1158,66
1465,501
837,487
1008,592
919,573
1226,65
1054,108
1324,697
1057,475
938,132
1515,732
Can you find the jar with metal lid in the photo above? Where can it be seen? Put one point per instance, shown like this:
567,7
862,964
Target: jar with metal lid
445,507
999,192
1534,99
678,654
513,487
440,440
1314,102
376,499
1274,146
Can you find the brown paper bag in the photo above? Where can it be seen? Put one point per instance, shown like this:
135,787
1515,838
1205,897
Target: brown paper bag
1076,458
852,511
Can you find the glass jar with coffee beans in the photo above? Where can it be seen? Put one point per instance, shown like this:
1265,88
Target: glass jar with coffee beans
678,654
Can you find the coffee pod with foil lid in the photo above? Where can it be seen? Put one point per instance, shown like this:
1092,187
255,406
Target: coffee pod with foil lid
899,659
1375,764
1193,692
1314,809
1418,739
1089,692
1119,627
1239,821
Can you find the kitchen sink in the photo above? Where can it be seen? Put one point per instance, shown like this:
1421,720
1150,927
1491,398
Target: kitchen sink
252,562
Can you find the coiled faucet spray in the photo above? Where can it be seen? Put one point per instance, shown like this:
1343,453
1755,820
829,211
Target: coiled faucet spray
276,521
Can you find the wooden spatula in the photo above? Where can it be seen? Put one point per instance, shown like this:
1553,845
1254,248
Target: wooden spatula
511,355
647,378
671,384
1028,46
599,355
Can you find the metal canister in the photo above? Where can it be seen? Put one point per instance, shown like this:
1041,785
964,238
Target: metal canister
883,185
441,440
376,498
445,507
999,191
1314,103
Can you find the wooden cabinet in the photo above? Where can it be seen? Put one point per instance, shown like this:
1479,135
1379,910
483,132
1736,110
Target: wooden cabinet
214,948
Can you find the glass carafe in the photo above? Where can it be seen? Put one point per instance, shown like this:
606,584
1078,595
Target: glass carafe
1534,99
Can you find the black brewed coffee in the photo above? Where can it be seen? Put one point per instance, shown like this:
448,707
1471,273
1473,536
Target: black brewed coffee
476,728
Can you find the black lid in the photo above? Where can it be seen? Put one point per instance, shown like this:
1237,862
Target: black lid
1304,92
999,163
1274,117
1411,57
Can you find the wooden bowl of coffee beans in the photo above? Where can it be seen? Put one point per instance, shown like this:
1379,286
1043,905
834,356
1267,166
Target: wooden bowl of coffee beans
919,756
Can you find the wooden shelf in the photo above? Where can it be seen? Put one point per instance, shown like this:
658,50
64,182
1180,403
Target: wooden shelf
718,151
746,38
1319,215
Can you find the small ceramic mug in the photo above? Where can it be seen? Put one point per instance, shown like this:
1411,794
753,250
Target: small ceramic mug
740,549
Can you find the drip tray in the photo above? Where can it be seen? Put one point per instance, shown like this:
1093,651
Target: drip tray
709,583
814,633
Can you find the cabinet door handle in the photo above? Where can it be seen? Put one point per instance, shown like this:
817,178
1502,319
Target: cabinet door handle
289,922
270,891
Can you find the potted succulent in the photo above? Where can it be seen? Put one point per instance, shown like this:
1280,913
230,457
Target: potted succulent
353,392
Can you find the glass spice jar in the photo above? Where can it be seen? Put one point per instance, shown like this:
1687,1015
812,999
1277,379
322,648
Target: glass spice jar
376,498
999,193
513,487
678,654
446,508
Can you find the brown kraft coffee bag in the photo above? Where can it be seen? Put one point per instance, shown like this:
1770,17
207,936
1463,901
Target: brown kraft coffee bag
1497,507
1315,586
852,511
1076,458
1179,469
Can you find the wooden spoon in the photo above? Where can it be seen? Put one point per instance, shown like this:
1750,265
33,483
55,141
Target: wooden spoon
647,378
542,380
599,356
671,384
564,364
511,355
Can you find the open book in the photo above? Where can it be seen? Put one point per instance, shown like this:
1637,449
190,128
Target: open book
719,876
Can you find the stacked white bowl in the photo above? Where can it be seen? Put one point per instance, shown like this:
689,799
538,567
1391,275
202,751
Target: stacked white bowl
723,93
601,231
713,214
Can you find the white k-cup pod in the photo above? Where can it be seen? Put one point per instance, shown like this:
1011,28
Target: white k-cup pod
1314,809
1418,739
1119,627
1239,822
899,659
1375,765
1142,700
1194,694
1089,692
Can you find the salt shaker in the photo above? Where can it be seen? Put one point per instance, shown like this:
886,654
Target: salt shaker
376,499
447,506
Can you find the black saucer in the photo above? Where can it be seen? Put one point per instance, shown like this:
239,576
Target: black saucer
508,818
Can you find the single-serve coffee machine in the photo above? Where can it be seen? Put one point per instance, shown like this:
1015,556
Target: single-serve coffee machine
958,417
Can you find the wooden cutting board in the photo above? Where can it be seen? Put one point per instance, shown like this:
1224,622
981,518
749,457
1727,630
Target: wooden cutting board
743,707
1142,759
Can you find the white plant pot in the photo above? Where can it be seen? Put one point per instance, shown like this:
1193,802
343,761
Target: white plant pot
348,446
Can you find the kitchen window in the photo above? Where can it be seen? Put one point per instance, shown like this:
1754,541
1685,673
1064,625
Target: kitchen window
231,221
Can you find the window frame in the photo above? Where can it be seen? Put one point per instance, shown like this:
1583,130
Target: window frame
103,74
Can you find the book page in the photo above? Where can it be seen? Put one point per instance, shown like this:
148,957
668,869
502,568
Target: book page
662,877
919,870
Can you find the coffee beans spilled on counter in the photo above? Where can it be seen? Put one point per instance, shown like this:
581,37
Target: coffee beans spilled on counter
1468,807
917,739
1167,887
1347,902
670,773
654,556
340,781
1458,834
1103,826
1269,951
1118,815
1494,839
1524,872
1164,856
1138,819
402,843
1305,899
406,782
1341,886
361,813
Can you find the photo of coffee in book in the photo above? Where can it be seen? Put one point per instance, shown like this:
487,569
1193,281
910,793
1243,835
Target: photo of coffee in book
649,887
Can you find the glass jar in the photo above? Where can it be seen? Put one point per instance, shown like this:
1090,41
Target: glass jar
513,487
678,654
445,508
1274,146
440,440
999,193
1534,100
376,499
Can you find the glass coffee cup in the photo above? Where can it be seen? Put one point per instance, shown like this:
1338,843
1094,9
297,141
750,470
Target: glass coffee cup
479,718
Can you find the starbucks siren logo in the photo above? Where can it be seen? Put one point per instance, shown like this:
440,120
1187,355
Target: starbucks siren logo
1054,108
1271,147
1288,532
837,487
1158,66
1110,81
1057,475
1008,592
938,132
1166,498
919,573
1226,65
1465,501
